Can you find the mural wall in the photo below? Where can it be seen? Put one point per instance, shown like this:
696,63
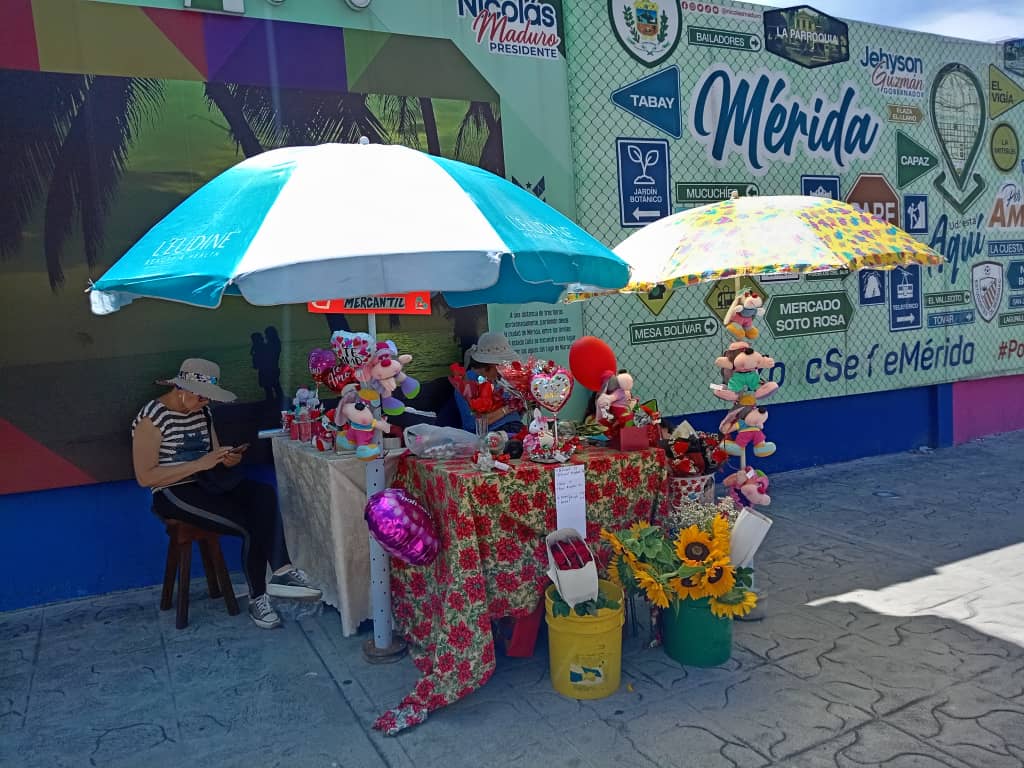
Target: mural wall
113,114
674,105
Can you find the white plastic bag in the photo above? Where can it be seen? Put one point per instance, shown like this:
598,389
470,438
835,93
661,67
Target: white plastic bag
576,585
748,532
433,442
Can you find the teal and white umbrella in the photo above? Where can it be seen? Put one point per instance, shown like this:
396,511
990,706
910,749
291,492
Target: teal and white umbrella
335,221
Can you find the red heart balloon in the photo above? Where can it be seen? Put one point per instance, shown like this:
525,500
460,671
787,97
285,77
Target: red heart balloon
590,359
339,376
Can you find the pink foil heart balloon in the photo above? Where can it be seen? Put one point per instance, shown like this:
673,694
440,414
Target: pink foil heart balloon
402,526
551,389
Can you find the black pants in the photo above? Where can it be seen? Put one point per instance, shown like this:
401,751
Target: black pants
249,511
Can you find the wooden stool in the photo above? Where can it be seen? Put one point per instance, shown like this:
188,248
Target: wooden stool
179,558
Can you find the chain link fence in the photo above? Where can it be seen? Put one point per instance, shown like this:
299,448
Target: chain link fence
671,340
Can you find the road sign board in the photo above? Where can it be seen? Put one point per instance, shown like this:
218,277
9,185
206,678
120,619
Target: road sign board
871,287
1011,318
1015,276
655,100
672,330
720,297
707,37
827,274
656,298
953,317
701,192
912,160
946,299
915,214
808,314
415,303
905,299
820,186
905,113
873,194
643,180
1003,93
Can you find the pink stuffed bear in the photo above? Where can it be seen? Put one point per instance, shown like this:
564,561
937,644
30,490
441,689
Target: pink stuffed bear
748,423
739,319
355,414
616,400
383,371
748,488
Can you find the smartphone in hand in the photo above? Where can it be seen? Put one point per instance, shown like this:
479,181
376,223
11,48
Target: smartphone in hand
240,448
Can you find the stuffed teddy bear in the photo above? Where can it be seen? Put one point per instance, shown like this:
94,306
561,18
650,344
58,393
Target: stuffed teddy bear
615,400
383,371
740,375
739,319
748,488
355,415
748,423
305,398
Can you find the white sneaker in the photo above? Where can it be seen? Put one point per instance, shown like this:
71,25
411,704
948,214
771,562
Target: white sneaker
262,613
293,583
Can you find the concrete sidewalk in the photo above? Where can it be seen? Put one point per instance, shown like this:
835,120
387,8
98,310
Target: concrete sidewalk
893,636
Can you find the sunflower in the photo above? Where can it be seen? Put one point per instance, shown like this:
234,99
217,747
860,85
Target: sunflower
655,591
691,587
693,546
613,570
720,536
631,560
637,527
719,578
729,610
612,540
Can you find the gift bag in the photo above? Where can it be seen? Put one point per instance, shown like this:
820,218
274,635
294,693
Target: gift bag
571,566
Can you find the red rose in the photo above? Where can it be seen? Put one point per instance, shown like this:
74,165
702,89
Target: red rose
445,663
468,560
460,637
519,504
487,495
561,560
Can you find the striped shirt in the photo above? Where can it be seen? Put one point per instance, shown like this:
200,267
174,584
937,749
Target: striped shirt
184,436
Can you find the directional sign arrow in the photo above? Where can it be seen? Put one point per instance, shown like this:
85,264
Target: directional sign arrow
640,214
905,319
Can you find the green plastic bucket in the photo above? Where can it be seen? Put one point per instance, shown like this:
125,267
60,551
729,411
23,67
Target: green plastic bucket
694,636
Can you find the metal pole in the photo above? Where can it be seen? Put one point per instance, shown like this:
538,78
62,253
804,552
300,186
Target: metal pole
383,648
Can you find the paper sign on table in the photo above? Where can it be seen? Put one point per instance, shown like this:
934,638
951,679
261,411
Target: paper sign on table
571,497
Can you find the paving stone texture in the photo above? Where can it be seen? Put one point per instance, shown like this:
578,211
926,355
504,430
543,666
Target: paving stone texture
893,635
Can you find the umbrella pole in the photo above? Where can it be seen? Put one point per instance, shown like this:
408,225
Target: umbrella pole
382,648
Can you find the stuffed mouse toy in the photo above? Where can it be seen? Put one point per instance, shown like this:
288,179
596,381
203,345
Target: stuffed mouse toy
741,377
355,415
748,488
739,319
748,423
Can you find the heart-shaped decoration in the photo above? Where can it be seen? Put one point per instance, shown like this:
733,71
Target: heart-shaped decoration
339,376
551,389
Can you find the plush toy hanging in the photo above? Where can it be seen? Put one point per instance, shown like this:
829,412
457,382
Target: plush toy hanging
748,488
747,422
741,375
383,371
739,319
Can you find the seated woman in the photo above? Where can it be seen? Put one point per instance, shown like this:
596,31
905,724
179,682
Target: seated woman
173,439
483,359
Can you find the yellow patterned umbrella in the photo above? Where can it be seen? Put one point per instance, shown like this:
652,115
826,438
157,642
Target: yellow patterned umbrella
759,236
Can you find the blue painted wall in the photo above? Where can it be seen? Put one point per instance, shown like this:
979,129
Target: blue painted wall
101,538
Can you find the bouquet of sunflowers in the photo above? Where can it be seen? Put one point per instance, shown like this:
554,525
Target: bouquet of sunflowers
692,564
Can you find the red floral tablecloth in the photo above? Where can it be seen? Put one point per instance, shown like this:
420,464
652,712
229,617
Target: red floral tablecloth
493,561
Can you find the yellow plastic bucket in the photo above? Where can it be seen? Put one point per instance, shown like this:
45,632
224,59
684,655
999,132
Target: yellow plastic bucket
586,651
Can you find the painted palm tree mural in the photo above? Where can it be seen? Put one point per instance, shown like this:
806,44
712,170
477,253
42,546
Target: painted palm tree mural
69,140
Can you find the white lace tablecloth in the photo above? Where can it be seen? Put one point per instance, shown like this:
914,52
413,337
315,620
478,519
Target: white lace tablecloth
322,497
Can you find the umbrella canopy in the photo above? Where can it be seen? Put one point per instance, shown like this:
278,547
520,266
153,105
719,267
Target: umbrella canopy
339,220
763,235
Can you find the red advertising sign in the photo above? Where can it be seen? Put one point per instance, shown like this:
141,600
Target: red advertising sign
872,194
415,303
